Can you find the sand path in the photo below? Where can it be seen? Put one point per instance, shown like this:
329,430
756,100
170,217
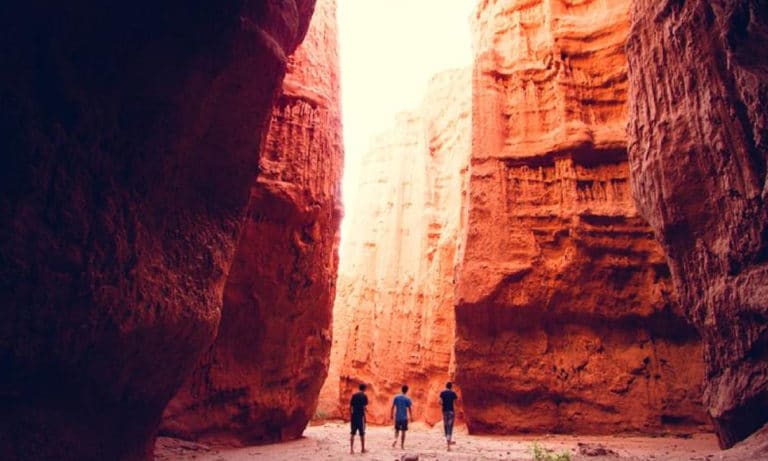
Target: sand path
330,441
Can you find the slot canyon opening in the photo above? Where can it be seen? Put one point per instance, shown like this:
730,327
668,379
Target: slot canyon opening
490,237
405,66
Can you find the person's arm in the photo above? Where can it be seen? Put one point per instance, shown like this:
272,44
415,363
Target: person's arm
410,412
392,412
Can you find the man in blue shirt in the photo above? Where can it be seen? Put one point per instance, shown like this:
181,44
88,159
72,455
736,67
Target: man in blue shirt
447,397
401,408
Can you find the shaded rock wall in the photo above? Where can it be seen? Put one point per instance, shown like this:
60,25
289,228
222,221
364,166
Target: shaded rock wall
698,142
128,132
260,379
393,315
566,320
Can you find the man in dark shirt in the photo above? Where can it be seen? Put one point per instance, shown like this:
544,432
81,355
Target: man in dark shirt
447,397
357,412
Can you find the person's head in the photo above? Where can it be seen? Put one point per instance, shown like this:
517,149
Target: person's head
405,388
362,387
449,385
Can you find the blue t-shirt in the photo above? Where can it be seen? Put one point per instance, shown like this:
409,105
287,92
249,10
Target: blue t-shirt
402,403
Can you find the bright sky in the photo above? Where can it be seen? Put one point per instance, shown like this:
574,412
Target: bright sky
388,51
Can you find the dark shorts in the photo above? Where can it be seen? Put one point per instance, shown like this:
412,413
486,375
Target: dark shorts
358,425
401,425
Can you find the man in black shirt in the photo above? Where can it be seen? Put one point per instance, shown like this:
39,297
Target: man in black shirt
357,409
447,397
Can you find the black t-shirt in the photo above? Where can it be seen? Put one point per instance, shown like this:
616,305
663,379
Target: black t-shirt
448,397
358,403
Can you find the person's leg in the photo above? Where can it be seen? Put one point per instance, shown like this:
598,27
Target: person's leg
396,431
446,428
402,439
354,428
448,418
362,436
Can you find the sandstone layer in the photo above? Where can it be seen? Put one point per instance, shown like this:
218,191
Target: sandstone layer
565,316
260,379
698,142
128,132
393,315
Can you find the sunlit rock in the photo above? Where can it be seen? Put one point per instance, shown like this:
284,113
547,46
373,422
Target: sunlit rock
565,318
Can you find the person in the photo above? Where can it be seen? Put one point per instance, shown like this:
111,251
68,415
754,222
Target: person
401,409
357,417
447,397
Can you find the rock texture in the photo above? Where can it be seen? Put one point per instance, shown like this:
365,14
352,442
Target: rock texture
260,379
565,316
698,130
393,316
129,134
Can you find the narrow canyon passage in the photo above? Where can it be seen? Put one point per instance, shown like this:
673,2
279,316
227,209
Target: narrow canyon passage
559,205
492,240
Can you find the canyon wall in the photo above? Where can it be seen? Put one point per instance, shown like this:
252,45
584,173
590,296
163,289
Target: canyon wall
698,142
129,134
565,316
260,379
393,315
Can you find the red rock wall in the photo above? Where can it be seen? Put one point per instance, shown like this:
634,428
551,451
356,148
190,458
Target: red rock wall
698,142
260,379
393,315
127,133
566,320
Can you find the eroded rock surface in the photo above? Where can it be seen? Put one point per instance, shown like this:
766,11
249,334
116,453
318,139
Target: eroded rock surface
260,379
393,316
566,320
129,134
698,142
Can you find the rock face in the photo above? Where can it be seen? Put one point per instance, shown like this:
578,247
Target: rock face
260,379
565,316
698,142
393,315
127,132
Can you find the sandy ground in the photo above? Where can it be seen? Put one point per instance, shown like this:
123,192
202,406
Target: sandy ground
330,441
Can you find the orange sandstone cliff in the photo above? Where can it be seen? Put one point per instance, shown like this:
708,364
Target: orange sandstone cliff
698,145
565,316
393,315
260,379
129,134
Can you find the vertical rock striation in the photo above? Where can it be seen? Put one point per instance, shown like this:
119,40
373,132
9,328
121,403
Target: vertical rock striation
260,379
127,133
565,316
393,315
698,142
